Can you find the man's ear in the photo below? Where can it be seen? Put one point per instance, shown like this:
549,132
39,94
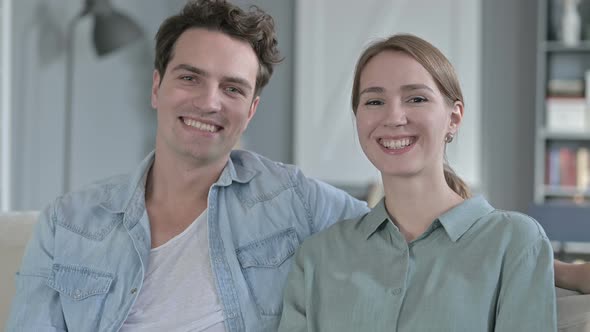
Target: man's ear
252,110
456,117
155,87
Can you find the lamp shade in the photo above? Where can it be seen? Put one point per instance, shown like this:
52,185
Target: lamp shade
113,30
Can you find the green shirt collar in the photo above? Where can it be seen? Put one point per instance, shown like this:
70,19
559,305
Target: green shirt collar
456,221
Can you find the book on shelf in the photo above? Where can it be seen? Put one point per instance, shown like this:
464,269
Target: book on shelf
583,168
568,166
553,168
565,88
567,114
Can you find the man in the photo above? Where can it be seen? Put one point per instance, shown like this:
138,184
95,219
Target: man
198,238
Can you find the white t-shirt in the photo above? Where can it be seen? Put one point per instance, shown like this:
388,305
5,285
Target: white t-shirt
178,292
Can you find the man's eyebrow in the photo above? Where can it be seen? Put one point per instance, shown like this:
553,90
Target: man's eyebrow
192,69
374,89
238,80
410,87
230,79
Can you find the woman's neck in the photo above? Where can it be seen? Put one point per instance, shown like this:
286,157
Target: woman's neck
415,202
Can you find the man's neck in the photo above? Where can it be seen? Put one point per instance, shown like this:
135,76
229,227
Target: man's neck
176,194
177,179
416,202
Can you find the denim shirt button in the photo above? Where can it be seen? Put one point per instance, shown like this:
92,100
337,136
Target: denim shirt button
133,291
77,293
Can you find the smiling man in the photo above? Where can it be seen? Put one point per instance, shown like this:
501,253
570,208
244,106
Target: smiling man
197,238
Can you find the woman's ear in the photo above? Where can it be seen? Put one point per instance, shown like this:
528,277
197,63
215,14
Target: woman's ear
456,117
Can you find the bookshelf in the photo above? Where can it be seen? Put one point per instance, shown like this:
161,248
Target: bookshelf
558,47
562,122
553,135
562,114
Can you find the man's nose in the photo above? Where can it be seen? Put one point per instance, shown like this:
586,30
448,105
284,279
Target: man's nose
208,99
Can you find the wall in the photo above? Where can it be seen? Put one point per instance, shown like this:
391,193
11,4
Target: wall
270,132
508,73
112,94
113,123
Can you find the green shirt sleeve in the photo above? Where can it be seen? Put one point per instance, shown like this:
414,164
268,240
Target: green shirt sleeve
294,310
527,296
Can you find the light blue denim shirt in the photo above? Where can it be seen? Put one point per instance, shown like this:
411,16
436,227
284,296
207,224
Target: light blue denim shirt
85,264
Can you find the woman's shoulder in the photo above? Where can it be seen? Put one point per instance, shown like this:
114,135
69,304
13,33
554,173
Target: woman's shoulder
515,231
516,222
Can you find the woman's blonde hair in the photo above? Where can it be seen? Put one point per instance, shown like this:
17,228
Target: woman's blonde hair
439,67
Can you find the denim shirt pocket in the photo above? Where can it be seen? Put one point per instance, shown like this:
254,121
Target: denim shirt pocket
265,265
83,290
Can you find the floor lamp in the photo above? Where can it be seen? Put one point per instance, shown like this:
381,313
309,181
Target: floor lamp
112,30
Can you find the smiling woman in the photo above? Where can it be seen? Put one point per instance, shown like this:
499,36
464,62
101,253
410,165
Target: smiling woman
440,260
323,78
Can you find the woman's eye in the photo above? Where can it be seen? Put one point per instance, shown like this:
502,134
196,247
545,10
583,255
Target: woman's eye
373,102
417,100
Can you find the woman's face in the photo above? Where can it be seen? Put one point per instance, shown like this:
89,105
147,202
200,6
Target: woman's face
402,117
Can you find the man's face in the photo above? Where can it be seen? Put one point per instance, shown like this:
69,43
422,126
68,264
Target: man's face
205,99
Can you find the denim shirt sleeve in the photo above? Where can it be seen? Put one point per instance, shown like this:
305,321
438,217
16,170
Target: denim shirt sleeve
36,307
527,296
326,204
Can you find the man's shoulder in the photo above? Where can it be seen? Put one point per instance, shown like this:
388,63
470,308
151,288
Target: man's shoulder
255,161
265,168
95,201
103,191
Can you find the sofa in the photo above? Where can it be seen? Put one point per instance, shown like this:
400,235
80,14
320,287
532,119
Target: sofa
573,309
15,231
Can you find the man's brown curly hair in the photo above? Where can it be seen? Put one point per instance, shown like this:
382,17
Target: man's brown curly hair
253,26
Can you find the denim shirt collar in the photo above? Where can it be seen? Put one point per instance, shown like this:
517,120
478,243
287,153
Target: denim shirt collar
234,170
455,221
129,197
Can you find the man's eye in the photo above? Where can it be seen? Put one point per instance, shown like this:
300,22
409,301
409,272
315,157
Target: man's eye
417,100
233,89
187,78
374,102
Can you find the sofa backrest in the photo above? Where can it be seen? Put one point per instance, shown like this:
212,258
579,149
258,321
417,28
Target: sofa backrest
15,230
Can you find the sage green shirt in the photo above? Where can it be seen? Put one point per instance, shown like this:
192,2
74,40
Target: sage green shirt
475,269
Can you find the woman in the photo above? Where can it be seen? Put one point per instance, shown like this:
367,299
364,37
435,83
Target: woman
428,257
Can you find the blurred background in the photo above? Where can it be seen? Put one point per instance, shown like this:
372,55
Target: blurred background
71,115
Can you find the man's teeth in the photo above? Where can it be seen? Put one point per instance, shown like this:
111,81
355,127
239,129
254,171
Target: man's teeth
396,143
200,125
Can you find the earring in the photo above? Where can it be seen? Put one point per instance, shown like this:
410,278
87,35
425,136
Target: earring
449,137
